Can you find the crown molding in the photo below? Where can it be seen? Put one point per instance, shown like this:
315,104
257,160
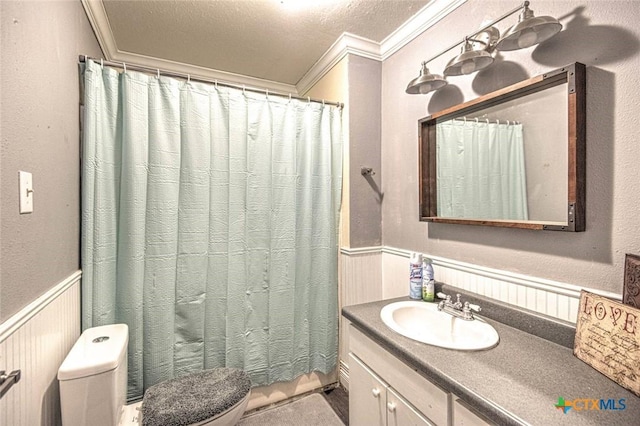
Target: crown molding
417,24
100,23
204,73
345,44
360,46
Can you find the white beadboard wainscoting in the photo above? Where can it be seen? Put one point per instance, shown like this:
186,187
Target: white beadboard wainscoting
364,280
553,298
35,341
360,282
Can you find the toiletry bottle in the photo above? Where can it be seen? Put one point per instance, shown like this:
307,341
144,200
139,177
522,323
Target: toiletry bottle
428,283
415,276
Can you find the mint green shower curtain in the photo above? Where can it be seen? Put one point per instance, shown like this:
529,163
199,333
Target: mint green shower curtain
209,226
481,170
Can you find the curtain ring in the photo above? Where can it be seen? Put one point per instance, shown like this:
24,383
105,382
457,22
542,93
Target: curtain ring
101,63
158,75
323,102
487,121
215,83
289,97
308,99
124,66
476,120
267,93
188,78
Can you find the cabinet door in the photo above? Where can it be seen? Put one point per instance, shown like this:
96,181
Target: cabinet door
367,396
401,413
425,396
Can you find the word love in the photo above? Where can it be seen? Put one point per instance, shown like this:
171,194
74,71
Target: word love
608,339
600,309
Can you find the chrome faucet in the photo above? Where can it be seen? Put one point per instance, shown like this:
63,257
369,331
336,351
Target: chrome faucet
457,309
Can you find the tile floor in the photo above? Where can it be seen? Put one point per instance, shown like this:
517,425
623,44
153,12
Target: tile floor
329,408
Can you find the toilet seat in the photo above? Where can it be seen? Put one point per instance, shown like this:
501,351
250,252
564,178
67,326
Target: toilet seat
196,398
132,415
229,417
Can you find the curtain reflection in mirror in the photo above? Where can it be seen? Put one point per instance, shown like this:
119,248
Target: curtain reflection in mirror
481,170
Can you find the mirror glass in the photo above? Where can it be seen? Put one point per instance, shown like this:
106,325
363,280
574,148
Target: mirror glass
508,158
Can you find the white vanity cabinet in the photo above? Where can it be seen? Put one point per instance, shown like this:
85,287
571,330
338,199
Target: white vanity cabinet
464,416
367,395
372,402
384,391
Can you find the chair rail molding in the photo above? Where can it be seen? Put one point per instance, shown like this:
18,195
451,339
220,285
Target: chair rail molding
558,287
20,318
549,297
35,341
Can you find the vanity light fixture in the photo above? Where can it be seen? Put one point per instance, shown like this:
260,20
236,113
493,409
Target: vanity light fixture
475,55
479,47
425,82
529,30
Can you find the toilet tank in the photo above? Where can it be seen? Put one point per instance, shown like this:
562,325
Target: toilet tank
93,377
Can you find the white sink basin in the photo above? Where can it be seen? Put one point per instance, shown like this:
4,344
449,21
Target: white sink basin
423,322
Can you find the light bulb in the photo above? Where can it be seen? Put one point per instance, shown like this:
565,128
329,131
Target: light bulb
468,67
527,39
425,88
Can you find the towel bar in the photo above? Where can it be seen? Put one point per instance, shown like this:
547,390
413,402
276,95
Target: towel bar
8,380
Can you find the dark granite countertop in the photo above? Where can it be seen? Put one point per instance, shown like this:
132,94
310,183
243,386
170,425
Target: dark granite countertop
517,382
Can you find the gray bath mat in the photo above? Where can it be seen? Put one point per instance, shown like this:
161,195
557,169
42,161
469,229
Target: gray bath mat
312,410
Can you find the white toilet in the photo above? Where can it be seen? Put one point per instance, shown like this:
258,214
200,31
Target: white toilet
93,386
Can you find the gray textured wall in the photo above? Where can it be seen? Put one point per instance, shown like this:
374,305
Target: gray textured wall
364,150
39,128
605,36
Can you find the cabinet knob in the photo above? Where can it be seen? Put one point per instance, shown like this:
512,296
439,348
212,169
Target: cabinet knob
375,392
391,407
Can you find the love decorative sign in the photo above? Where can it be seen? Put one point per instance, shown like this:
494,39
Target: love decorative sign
608,339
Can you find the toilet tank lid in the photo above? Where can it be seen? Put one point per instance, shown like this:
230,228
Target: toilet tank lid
97,350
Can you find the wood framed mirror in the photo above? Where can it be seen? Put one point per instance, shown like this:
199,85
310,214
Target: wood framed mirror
513,158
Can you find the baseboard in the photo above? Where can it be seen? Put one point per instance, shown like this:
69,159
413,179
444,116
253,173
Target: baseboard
262,396
344,375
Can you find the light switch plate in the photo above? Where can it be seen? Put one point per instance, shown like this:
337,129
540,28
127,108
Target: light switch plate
26,192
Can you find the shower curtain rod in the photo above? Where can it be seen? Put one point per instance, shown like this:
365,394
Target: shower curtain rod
485,120
158,71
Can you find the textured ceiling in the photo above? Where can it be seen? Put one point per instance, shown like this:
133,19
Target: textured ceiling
276,40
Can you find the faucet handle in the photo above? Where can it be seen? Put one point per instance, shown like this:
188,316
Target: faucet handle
474,307
471,307
441,295
467,309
